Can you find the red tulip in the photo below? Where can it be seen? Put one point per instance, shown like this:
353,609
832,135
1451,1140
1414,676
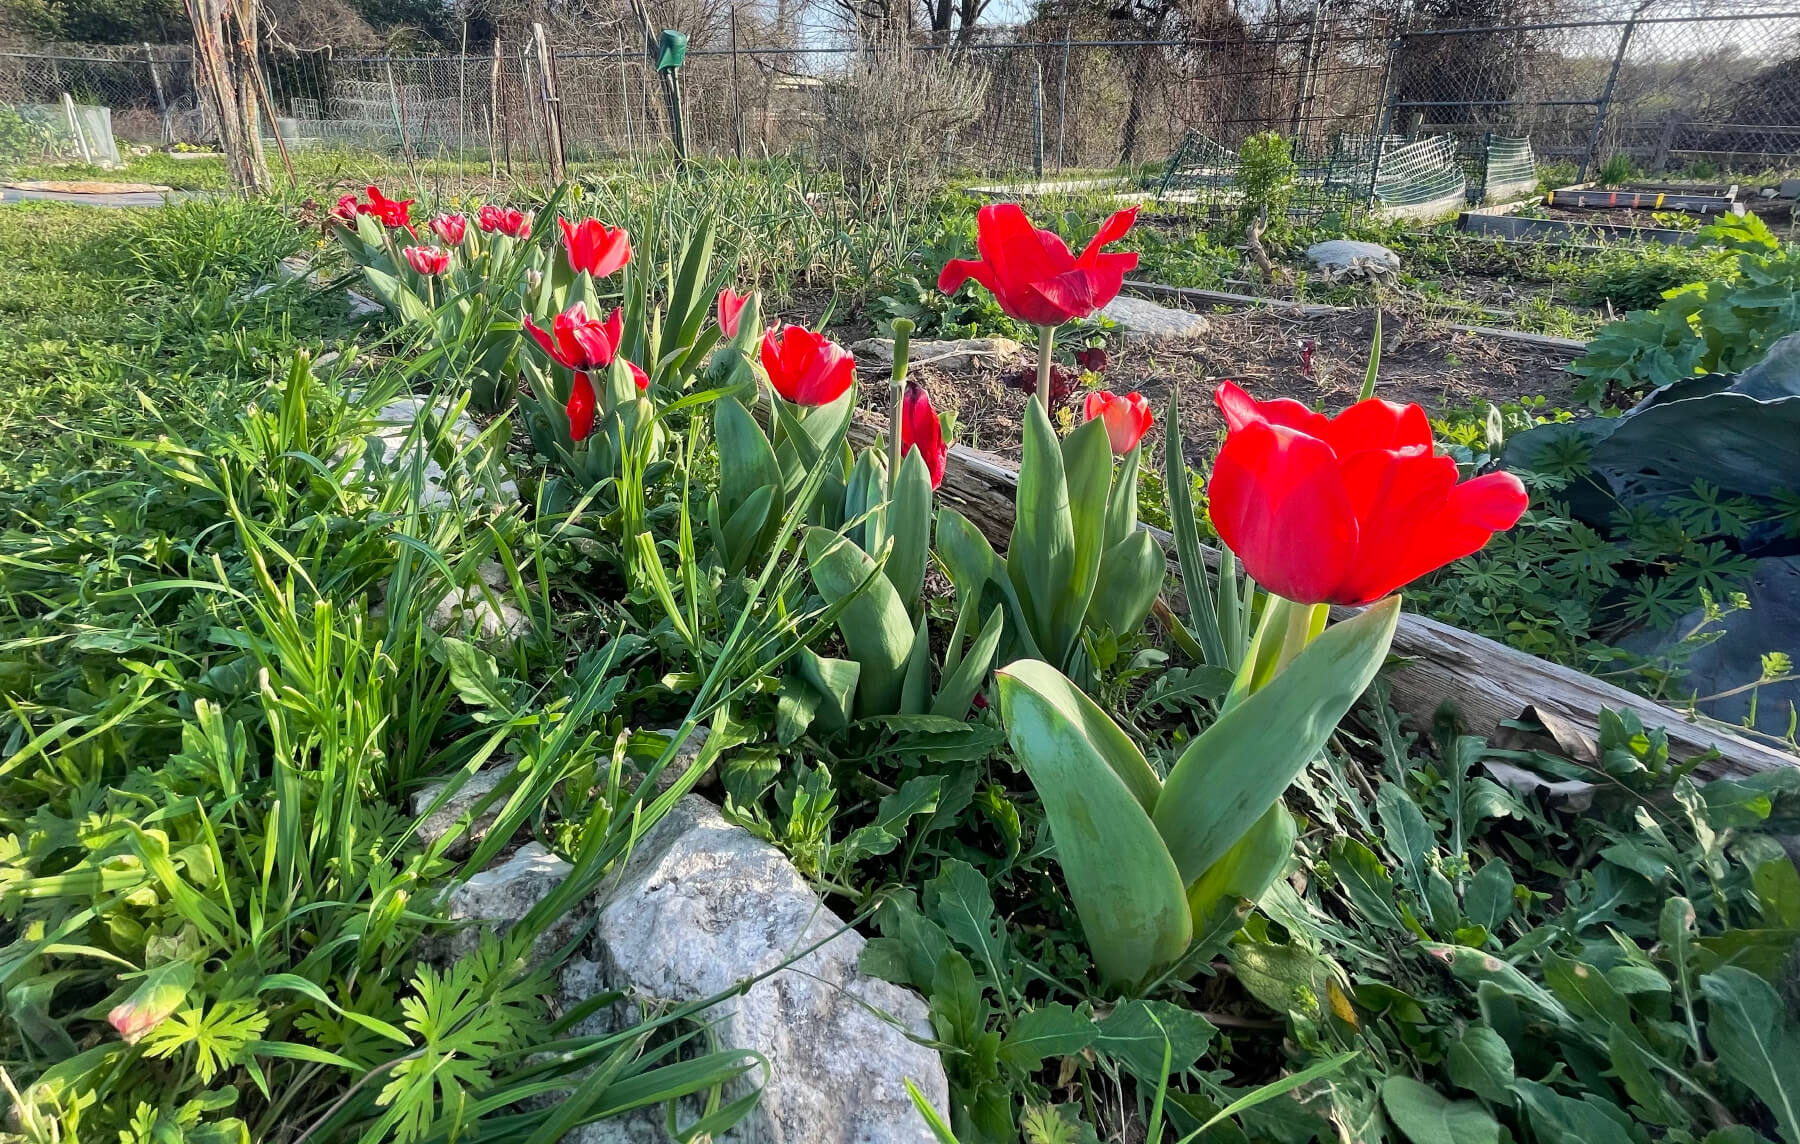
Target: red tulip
580,342
510,221
807,368
391,212
921,429
731,305
1346,509
595,247
1127,418
1031,272
427,260
450,228
346,210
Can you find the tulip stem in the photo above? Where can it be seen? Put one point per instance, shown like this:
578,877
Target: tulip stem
903,329
1046,343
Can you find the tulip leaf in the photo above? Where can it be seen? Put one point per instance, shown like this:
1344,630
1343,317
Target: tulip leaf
746,460
1248,868
1231,774
864,519
873,623
741,539
909,524
915,691
958,691
834,681
1131,574
1121,503
1178,496
1040,557
1087,468
1121,878
1073,707
971,562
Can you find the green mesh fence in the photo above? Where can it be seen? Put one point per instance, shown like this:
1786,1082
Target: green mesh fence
1420,175
1510,171
1334,177
1199,162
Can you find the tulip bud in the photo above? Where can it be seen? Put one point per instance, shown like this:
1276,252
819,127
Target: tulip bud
159,994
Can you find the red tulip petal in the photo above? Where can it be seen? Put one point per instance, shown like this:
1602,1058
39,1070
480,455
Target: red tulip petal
1276,499
1017,250
1112,230
638,375
960,270
1063,297
1108,275
580,408
1389,488
1377,424
543,340
1238,407
1429,536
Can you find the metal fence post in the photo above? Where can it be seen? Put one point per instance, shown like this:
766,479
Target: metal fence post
1390,94
1037,117
1062,99
1606,93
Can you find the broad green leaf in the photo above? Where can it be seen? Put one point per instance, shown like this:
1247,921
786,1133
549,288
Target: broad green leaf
1635,1068
1429,1117
746,459
1480,1061
1052,1030
1087,469
909,524
915,691
1131,574
958,691
1365,881
1777,886
916,796
1488,898
1125,886
1140,1034
1247,869
1121,502
1040,557
1561,1119
1403,826
873,623
959,900
1234,770
1072,709
972,564
1757,1041
475,676
746,532
958,1013
834,682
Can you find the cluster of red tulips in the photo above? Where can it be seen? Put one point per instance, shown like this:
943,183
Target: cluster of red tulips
1321,510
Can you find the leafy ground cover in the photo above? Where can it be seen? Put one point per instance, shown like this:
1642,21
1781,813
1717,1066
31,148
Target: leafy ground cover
228,664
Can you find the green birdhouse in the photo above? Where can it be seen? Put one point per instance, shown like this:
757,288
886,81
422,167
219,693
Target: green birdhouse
671,50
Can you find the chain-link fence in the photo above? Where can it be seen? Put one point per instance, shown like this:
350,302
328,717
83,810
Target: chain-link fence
1670,85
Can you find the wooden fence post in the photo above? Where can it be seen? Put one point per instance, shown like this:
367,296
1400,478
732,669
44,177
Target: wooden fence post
552,103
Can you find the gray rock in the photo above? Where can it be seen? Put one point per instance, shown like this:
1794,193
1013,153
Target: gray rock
701,906
500,895
1789,189
1147,321
397,444
484,610
1342,258
945,355
684,755
437,823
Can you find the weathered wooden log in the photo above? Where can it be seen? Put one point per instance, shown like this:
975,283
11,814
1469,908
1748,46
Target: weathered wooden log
1489,683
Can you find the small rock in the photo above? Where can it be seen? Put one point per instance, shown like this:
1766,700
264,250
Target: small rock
484,609
945,355
1147,321
1789,189
684,755
361,305
501,895
396,420
437,823
1341,258
702,905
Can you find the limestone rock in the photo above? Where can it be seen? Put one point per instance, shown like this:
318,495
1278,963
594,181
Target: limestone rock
437,823
1342,258
397,443
499,896
1146,321
702,905
485,610
949,356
